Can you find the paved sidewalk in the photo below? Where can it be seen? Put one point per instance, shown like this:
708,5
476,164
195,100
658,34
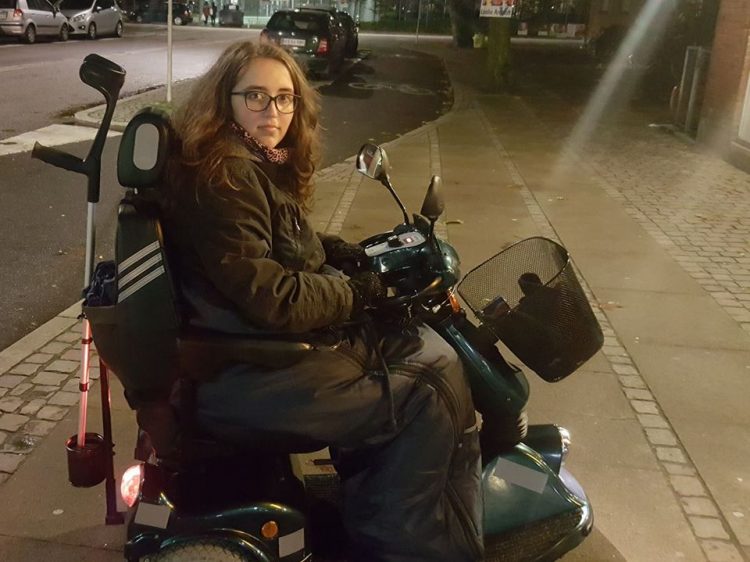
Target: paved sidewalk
660,234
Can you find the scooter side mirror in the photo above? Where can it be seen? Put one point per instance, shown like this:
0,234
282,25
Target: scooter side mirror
372,161
433,204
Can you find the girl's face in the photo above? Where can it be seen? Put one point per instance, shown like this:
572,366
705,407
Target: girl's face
271,77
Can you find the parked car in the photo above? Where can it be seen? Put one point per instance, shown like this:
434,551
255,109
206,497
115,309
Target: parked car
181,14
29,19
314,37
231,16
93,18
351,28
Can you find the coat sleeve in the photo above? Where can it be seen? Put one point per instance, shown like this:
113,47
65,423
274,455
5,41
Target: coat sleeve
234,248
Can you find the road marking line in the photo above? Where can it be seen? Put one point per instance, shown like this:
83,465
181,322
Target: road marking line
52,135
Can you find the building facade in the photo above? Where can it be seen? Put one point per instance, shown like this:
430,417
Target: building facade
725,115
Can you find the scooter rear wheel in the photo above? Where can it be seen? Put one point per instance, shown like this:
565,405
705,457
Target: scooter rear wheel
200,551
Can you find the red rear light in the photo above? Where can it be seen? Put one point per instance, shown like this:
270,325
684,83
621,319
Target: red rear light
323,47
130,485
17,13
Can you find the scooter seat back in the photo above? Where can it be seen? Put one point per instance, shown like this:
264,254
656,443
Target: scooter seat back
137,335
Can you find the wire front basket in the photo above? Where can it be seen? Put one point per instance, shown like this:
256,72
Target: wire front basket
529,296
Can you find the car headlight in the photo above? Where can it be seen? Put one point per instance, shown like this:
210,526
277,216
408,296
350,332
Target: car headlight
79,17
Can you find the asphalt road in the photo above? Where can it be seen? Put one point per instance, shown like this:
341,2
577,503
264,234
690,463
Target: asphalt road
43,209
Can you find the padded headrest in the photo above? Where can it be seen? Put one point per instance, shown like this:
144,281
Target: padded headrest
144,149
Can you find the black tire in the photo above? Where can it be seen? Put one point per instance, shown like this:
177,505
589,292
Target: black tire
29,35
200,551
64,33
119,28
91,32
351,51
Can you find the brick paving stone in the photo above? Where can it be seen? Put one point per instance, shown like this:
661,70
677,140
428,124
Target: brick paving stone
38,358
72,355
638,394
687,485
24,369
12,422
10,403
55,348
708,527
39,427
3,477
660,436
632,381
32,407
644,406
21,443
64,399
63,366
50,379
651,420
9,381
71,385
720,551
21,388
51,413
42,391
3,437
625,369
699,506
69,337
3,391
9,462
670,454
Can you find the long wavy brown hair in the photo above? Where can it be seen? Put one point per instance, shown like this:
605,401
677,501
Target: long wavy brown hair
205,139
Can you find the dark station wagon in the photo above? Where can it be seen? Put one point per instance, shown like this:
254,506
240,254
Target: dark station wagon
314,37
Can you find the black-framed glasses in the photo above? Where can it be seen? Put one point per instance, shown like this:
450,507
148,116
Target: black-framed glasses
259,101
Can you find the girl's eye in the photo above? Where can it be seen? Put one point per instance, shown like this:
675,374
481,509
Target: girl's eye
285,99
255,96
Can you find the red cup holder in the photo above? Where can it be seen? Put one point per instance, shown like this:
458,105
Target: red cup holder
87,465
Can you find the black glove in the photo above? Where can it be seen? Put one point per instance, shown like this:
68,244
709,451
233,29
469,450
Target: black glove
343,255
366,287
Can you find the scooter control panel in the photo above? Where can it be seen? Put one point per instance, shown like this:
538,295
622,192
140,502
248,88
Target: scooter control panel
397,241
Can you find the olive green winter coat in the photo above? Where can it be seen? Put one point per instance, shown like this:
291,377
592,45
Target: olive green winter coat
252,250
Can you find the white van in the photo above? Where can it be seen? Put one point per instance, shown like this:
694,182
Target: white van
93,17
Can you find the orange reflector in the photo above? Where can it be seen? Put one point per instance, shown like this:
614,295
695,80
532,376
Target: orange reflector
455,305
269,530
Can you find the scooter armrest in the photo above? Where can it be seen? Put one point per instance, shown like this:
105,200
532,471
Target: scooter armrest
202,356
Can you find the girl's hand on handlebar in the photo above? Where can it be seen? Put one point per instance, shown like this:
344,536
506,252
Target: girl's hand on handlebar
343,255
367,288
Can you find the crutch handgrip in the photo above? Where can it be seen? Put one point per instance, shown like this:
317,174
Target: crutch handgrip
58,158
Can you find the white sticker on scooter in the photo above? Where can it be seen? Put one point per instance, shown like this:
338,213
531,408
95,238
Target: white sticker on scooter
520,475
152,515
291,543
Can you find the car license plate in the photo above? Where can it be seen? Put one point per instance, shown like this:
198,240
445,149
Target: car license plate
292,42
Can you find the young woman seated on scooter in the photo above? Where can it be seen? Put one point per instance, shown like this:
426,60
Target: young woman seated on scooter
249,261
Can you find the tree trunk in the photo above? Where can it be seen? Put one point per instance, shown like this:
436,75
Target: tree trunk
463,19
498,53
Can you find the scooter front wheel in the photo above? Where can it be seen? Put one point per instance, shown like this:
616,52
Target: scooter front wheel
200,551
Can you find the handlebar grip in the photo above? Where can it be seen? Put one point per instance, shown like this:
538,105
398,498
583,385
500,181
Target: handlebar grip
57,158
